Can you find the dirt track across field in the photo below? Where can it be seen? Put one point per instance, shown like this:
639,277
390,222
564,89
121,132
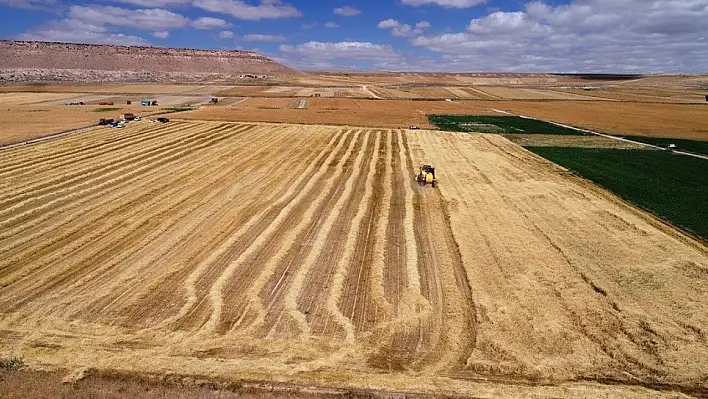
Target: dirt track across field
307,254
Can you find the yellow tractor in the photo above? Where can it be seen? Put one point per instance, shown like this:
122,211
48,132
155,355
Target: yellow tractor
426,175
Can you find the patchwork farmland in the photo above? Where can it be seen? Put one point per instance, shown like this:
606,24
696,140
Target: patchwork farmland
308,255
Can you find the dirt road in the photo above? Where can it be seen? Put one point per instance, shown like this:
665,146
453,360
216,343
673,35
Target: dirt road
308,254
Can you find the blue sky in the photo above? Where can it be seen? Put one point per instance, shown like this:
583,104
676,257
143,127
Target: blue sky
407,35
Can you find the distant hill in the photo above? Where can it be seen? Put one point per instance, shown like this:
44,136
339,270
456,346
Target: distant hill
42,61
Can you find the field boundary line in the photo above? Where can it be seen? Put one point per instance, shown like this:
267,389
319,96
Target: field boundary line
48,137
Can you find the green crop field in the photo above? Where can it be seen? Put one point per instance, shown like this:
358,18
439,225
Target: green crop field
498,125
695,146
672,186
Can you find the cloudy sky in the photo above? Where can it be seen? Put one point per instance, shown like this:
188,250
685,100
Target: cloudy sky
623,36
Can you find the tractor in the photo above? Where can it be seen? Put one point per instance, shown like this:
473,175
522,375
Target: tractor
426,175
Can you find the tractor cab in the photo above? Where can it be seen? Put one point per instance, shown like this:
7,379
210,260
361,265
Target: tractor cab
426,175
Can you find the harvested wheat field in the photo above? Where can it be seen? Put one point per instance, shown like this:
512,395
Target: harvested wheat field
308,255
344,111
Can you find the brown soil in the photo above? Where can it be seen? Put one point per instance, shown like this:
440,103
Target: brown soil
689,121
356,112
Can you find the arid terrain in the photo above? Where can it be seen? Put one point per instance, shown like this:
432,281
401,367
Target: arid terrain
276,242
24,61
307,254
669,106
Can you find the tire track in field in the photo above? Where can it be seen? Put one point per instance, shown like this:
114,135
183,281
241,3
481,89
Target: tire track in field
321,283
81,213
247,312
428,345
228,200
321,274
229,247
85,180
140,229
350,295
338,217
378,261
207,314
403,338
395,249
458,307
318,259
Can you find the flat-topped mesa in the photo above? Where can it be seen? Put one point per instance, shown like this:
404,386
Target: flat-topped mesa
94,57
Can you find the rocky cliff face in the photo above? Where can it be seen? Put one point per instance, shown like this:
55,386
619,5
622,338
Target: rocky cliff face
105,61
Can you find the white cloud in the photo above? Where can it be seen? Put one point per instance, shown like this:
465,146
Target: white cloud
161,35
90,24
253,37
71,31
309,26
227,34
30,4
583,36
319,52
388,24
157,3
266,9
445,3
404,30
347,11
154,19
331,25
206,23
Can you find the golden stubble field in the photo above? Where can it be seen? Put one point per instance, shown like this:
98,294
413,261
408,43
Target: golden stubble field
307,255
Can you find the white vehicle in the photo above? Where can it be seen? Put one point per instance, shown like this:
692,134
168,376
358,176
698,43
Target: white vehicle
151,121
137,118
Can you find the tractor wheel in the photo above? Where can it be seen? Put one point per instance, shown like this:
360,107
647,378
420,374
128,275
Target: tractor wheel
433,184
